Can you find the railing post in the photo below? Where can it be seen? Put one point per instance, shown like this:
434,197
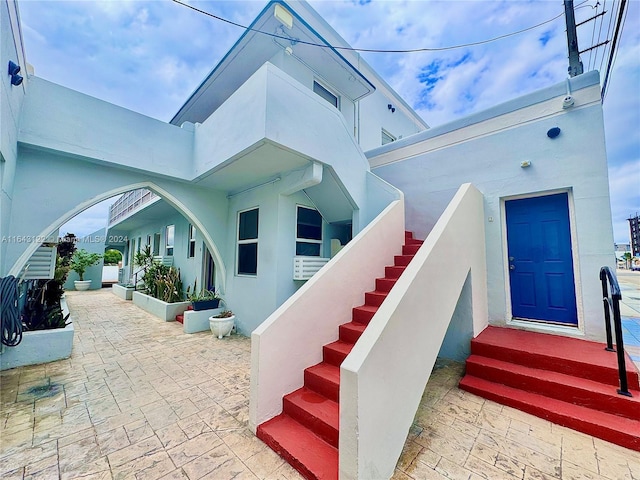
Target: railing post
613,302
607,315
622,368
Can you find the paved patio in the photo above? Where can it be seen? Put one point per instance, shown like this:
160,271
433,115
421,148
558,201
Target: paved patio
141,400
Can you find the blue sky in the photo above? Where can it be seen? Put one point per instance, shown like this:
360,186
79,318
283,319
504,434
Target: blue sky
148,56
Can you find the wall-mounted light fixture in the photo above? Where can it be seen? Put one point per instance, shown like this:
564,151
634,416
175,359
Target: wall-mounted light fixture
14,70
391,107
553,132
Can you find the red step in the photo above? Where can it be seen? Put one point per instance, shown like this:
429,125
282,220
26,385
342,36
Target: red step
570,356
324,379
393,271
306,433
411,249
350,332
364,313
612,428
385,284
568,388
300,447
314,411
375,298
180,318
402,260
335,353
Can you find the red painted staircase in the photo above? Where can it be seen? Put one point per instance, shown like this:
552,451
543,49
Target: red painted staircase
306,432
567,381
180,316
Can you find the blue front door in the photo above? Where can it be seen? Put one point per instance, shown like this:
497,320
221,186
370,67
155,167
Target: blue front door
540,259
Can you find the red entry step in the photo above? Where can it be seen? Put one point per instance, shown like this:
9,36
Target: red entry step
568,381
306,432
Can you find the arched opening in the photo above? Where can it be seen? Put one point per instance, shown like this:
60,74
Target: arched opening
171,200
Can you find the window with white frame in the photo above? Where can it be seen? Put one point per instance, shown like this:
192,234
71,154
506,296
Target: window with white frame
325,93
308,232
387,137
192,242
148,241
169,236
247,255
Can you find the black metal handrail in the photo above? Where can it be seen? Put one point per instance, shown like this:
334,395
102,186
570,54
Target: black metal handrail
612,303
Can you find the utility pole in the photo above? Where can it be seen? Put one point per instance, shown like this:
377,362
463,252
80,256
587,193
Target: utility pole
575,65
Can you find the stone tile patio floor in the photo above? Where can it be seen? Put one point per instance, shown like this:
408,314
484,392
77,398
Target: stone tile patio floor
139,399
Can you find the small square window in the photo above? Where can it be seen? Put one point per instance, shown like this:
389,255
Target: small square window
326,94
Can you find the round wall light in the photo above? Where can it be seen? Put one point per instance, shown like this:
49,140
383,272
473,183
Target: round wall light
553,132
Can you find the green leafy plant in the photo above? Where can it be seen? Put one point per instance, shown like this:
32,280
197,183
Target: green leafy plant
196,295
163,282
112,256
82,260
224,314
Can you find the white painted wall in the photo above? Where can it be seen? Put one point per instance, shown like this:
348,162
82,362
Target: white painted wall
85,184
291,339
383,378
487,149
11,100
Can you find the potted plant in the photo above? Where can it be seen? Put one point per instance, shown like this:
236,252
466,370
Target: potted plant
203,299
80,261
222,323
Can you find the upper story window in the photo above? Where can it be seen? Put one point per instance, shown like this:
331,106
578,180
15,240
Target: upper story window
247,254
308,232
169,238
191,252
387,137
326,94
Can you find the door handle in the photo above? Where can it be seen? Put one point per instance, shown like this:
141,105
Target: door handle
512,267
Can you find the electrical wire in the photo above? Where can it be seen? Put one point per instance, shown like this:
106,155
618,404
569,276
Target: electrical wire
622,16
369,50
10,323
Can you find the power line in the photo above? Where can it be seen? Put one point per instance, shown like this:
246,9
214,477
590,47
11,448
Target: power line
614,53
368,50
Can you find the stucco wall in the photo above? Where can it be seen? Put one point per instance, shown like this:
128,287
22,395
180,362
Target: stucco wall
63,187
487,150
11,100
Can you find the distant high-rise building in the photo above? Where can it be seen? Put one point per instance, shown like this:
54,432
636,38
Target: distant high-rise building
634,232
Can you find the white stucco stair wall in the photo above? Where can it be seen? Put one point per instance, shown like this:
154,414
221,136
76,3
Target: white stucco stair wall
384,376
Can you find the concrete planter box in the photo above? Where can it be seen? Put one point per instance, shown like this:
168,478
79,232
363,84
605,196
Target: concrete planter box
165,311
40,346
198,321
125,293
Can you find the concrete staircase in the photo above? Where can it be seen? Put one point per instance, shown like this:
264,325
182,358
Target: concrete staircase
306,433
568,381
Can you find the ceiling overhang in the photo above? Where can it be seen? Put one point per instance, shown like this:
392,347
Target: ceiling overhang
254,48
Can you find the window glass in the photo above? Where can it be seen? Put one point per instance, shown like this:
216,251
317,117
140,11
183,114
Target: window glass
247,254
248,225
326,94
192,242
308,232
169,238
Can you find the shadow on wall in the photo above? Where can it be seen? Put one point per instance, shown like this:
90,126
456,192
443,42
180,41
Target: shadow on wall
457,341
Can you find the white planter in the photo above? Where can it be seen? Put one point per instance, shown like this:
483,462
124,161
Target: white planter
126,293
221,327
198,321
82,285
40,346
166,311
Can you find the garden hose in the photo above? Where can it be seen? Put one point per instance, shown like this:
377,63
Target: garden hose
10,323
